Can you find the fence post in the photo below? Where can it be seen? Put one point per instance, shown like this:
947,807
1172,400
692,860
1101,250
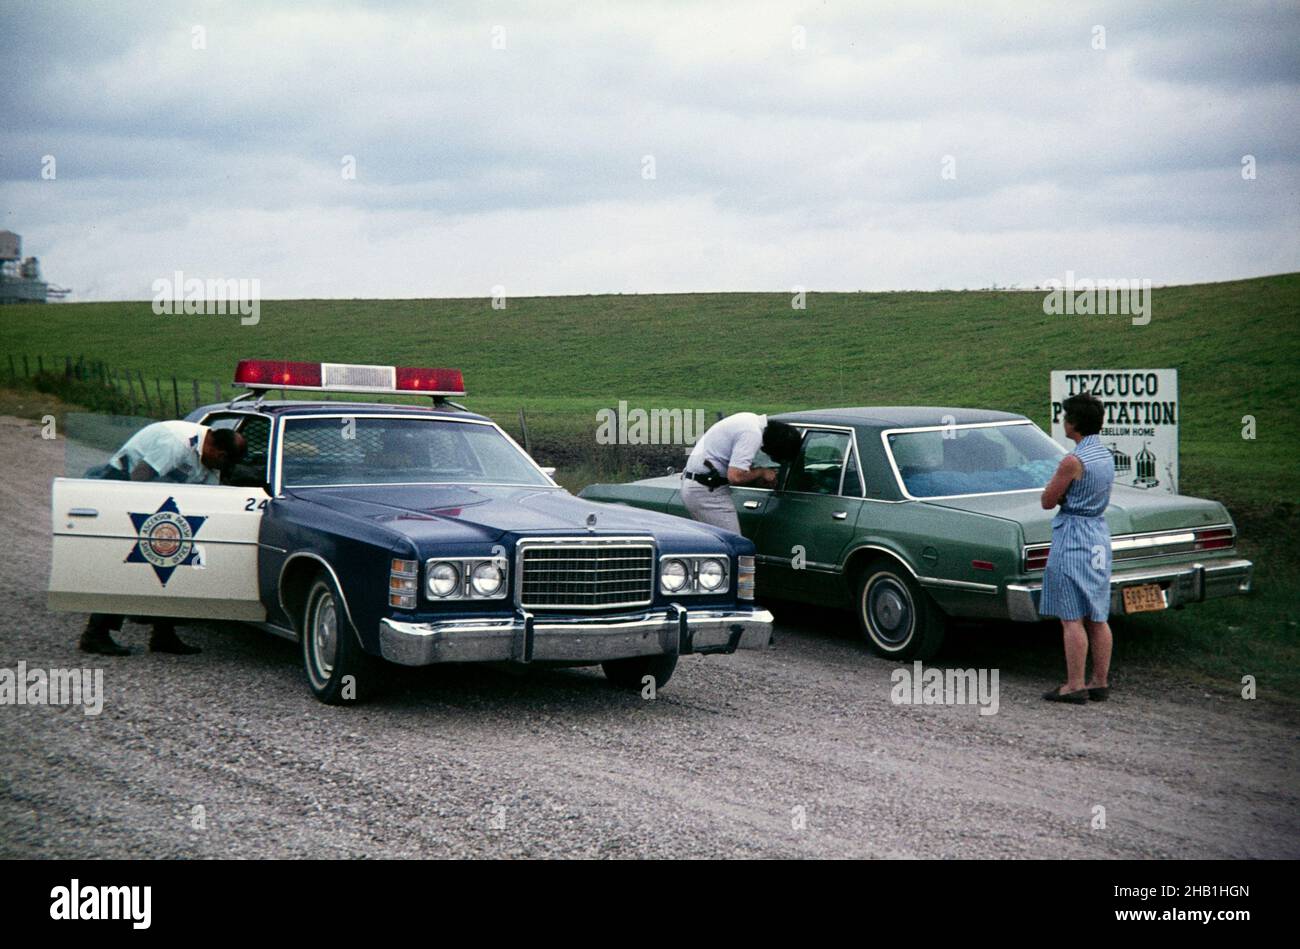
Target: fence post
158,385
13,373
176,394
196,393
144,390
130,391
40,364
26,371
67,367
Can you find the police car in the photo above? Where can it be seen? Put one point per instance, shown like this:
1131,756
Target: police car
373,532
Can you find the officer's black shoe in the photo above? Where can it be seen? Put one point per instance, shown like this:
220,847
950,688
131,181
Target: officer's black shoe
164,639
99,640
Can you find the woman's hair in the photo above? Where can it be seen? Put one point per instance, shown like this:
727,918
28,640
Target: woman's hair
781,441
1084,411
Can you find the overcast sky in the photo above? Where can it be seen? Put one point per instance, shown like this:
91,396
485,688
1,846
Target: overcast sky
792,144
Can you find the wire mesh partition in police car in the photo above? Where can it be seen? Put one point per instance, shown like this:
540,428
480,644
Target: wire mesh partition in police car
253,469
358,450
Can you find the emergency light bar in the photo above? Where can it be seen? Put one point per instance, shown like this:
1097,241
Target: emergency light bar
344,377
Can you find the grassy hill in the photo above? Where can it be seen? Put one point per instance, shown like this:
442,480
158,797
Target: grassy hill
1236,347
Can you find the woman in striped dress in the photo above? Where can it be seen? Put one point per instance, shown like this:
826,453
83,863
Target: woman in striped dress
1076,582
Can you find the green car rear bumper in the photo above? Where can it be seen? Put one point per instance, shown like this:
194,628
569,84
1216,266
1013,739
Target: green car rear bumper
1180,584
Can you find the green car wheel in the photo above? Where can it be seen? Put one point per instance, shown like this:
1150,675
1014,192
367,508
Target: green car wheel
898,620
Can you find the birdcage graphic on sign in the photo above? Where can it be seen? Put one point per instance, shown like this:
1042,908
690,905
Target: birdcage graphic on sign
1123,462
1146,468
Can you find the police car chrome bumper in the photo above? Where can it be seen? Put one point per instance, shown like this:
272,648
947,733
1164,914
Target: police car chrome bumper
527,637
1181,584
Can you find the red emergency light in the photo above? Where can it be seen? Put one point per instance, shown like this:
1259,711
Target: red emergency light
272,374
348,377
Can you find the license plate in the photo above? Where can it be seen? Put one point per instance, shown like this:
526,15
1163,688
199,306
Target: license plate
1143,598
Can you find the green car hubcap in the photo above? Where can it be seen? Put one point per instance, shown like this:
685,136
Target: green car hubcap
889,611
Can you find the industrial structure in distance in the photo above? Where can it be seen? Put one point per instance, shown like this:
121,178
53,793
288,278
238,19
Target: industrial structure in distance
20,279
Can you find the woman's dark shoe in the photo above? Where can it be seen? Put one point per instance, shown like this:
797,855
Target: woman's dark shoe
1074,698
1100,694
99,640
165,640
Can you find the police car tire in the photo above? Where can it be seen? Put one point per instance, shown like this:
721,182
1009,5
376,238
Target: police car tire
631,673
920,624
353,675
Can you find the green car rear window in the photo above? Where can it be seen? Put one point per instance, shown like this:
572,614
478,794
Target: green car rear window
977,460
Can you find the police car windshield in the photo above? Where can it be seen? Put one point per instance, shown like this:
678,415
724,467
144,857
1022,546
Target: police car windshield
985,460
357,450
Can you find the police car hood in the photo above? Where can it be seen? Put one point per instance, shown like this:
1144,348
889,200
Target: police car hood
441,514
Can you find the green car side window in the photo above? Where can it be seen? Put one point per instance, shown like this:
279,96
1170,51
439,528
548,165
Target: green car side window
820,464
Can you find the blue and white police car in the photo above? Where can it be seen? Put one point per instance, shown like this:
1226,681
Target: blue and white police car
372,532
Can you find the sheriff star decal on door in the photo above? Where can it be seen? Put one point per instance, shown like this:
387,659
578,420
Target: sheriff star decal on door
166,539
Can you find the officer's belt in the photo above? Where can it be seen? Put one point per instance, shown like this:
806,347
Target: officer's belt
710,481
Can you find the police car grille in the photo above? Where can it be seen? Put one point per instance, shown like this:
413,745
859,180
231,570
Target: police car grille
587,576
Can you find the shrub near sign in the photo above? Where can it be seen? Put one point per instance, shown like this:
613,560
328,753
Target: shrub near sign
1141,423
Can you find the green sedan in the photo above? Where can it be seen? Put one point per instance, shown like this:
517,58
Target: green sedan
910,516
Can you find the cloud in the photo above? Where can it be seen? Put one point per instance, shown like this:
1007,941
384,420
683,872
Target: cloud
789,145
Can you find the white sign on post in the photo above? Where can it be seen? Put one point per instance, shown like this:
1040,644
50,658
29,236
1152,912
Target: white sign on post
1140,426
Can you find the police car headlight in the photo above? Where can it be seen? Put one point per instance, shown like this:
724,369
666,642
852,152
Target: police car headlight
443,580
487,579
711,575
673,576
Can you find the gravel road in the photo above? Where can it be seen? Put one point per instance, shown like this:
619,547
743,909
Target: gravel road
794,752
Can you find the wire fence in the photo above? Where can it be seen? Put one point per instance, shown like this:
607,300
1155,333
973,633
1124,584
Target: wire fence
130,390
565,439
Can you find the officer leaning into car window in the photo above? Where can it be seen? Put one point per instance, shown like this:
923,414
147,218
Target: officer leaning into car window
724,456
176,451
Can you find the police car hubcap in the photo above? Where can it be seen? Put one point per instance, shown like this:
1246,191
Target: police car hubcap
325,634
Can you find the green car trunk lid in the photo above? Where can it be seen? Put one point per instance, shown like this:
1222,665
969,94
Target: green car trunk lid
1131,511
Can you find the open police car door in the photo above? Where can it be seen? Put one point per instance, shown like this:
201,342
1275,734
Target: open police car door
156,548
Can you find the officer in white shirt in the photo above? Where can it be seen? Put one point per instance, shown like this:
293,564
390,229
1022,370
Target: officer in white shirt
176,451
724,456
184,452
